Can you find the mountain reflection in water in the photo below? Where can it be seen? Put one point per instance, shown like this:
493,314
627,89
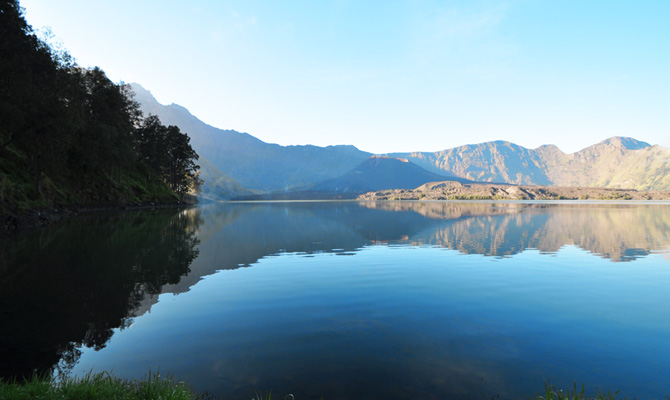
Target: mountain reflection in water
72,285
619,232
248,232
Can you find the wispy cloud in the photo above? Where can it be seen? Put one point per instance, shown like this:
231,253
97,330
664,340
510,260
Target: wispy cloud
287,27
467,40
233,26
452,24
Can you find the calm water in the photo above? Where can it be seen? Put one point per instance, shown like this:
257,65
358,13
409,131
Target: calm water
349,300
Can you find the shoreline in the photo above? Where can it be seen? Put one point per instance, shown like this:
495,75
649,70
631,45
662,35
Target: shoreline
154,386
14,222
18,222
450,190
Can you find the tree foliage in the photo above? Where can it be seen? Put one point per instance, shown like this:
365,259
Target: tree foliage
167,153
69,134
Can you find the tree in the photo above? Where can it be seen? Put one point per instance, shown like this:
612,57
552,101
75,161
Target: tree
77,131
166,152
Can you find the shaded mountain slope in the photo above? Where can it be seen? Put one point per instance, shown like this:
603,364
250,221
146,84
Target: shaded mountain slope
251,162
218,185
378,173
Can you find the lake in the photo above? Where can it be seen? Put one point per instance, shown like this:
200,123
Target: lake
339,300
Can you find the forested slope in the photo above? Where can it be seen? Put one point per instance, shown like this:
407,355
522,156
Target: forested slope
70,136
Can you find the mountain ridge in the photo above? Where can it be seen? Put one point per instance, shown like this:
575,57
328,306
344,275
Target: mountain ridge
378,173
615,162
252,163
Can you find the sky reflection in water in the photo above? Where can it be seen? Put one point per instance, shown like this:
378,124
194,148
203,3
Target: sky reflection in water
432,300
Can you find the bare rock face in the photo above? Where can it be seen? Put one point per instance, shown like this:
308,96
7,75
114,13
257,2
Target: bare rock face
498,161
618,162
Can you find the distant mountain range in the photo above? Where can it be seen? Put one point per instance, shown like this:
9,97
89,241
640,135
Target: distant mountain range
252,163
243,165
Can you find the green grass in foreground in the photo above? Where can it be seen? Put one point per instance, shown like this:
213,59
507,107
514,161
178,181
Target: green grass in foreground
154,387
97,386
553,393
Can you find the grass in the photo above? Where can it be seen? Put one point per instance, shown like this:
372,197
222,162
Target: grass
154,387
553,393
98,386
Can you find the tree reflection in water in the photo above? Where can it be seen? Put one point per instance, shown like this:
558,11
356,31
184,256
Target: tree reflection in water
86,277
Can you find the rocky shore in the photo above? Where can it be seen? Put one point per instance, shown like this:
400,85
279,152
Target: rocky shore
449,190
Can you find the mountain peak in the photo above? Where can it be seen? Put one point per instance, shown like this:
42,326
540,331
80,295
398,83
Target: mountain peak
138,88
180,109
625,143
142,95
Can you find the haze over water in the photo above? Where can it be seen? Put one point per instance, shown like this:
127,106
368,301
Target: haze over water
350,300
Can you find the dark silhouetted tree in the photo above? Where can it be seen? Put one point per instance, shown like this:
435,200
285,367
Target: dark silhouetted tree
75,129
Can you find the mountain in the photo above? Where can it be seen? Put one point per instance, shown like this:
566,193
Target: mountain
378,173
218,185
498,161
249,161
618,162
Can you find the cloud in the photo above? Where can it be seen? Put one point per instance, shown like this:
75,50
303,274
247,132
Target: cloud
467,40
232,27
454,23
287,27
457,24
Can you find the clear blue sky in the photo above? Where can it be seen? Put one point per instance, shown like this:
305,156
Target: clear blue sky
388,75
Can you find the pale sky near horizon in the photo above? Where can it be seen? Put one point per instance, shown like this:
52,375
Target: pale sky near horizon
388,76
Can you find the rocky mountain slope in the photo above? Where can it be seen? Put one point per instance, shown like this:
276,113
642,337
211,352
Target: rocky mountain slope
618,162
497,161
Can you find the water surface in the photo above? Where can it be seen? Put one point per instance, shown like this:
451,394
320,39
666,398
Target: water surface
350,300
